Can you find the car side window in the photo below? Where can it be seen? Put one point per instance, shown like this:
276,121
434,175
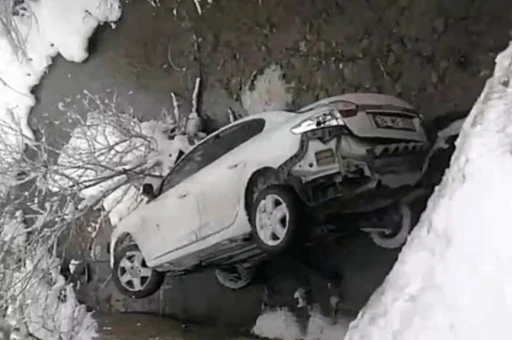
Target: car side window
239,134
212,149
191,163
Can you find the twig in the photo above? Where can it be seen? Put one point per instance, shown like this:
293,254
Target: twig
171,63
176,108
195,98
382,69
195,95
198,7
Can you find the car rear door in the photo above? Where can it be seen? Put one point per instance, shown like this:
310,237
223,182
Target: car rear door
221,184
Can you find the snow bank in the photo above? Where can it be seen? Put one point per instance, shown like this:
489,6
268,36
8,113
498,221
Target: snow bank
453,279
39,301
267,92
48,27
282,324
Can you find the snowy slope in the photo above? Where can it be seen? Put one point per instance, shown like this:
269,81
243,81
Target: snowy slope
453,279
48,27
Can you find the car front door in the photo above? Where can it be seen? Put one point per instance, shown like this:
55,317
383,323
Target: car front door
176,211
174,219
221,186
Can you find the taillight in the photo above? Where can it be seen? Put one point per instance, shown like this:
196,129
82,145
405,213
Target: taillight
348,113
331,115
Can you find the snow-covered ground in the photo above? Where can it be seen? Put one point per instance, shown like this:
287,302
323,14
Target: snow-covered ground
46,27
453,279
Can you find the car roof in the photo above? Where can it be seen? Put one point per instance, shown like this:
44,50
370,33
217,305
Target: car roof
361,99
269,117
272,119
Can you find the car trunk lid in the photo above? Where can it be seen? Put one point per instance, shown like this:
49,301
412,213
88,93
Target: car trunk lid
389,123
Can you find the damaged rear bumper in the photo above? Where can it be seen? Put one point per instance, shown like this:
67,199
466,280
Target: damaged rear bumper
334,165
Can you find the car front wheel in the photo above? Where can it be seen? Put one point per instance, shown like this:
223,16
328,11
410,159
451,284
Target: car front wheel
274,218
132,276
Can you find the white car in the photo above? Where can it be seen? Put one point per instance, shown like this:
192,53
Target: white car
252,188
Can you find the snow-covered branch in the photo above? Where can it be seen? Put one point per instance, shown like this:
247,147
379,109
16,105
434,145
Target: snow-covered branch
57,184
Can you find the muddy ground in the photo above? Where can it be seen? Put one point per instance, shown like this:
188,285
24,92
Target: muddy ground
435,54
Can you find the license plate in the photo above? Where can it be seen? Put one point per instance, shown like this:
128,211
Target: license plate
394,122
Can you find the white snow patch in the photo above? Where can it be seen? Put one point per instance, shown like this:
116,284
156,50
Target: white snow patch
48,27
38,295
278,324
453,278
282,324
267,92
323,328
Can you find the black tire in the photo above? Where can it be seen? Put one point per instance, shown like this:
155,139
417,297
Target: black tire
235,277
288,199
149,286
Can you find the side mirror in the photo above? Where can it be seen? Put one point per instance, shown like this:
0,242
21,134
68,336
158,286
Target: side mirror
148,191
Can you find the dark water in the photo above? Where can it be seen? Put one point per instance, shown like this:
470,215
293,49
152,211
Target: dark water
147,327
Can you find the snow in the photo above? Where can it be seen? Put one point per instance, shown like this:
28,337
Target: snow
323,328
278,324
48,27
109,142
453,277
267,92
282,324
40,299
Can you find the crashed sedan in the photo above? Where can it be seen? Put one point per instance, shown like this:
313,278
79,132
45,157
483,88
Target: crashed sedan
261,185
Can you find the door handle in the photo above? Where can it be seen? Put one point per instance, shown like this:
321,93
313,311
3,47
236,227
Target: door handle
234,166
183,194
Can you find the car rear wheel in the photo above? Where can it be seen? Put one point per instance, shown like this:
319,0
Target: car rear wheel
274,218
235,277
132,276
396,238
